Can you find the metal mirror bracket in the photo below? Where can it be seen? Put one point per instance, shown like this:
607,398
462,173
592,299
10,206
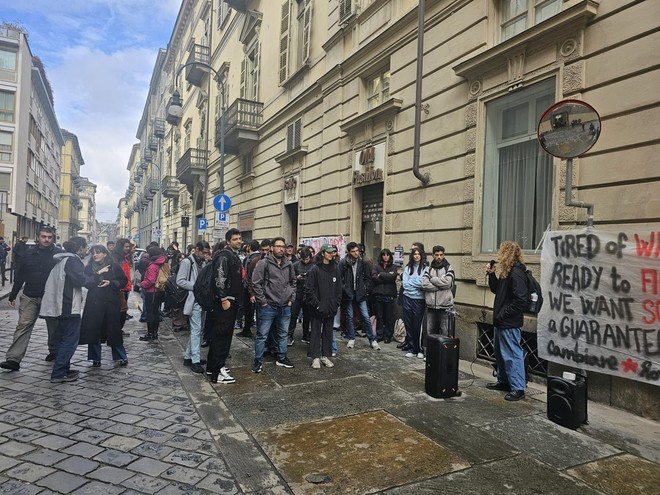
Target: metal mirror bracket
567,130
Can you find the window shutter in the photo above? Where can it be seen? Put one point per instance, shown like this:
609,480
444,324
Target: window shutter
255,78
307,30
284,41
345,10
243,75
294,135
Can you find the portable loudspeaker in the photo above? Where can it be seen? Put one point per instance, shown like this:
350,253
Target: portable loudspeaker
567,401
442,353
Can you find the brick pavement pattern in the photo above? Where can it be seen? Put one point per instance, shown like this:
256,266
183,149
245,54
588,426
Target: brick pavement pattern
116,430
363,426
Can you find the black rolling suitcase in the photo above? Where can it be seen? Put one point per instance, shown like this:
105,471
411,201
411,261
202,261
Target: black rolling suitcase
442,355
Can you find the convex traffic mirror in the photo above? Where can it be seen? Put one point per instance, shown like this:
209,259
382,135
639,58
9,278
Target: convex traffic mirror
568,129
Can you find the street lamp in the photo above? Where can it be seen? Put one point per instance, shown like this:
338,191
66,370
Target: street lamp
175,113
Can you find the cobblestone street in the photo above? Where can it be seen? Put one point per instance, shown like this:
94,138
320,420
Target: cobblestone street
365,426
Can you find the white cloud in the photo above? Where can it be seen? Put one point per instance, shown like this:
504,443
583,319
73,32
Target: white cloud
100,98
99,57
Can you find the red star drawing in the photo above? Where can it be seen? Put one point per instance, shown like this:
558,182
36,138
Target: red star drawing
629,366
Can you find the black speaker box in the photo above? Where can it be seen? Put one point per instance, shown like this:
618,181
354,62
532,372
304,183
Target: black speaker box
567,401
441,378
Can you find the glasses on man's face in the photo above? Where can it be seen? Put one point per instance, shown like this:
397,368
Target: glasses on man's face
279,246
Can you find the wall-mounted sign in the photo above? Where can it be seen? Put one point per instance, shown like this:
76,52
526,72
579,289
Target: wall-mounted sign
369,165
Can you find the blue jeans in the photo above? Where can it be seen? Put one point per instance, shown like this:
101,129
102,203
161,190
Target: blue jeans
94,352
68,335
267,315
364,314
509,357
194,341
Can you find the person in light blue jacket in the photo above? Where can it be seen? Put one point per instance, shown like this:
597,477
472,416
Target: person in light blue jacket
413,301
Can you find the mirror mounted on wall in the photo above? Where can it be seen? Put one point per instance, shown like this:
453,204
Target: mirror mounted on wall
568,129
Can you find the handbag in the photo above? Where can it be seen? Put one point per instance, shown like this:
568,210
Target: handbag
123,303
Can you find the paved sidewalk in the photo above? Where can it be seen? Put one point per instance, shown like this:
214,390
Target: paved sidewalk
364,426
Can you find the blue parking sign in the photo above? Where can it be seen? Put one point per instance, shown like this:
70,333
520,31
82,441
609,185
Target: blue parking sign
201,224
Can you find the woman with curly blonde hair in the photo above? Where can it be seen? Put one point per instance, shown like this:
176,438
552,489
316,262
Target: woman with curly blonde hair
510,290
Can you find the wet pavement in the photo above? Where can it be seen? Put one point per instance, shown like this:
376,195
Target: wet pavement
364,426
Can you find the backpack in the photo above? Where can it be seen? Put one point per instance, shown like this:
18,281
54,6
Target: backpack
176,294
203,289
534,294
163,275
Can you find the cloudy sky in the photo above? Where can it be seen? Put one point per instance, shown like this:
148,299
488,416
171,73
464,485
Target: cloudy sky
99,56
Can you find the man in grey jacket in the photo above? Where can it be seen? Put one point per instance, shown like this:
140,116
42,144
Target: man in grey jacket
186,276
274,287
437,283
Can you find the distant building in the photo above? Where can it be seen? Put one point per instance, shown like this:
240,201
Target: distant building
70,187
30,141
87,214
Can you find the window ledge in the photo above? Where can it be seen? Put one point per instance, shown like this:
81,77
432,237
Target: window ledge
542,34
390,107
291,155
369,10
247,177
296,74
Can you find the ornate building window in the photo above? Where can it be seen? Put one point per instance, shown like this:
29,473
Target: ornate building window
518,174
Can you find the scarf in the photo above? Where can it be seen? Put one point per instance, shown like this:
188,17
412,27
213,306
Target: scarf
96,266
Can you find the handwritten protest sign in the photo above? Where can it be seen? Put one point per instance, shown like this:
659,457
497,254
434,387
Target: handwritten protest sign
335,240
602,302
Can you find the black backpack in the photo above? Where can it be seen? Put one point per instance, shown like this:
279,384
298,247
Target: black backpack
177,296
204,288
534,294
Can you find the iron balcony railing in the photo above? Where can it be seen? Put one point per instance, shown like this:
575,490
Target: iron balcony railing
242,115
159,127
153,143
195,73
170,186
193,162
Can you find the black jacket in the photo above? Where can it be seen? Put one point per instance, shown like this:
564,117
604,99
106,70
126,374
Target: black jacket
228,272
362,286
34,269
510,297
323,290
384,280
303,269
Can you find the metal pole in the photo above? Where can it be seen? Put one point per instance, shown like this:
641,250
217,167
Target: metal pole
568,200
423,178
222,137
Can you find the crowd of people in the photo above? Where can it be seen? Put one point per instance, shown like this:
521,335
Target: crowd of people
236,285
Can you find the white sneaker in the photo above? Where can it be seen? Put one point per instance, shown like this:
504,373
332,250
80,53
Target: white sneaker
326,362
375,346
351,344
316,363
411,354
420,355
225,377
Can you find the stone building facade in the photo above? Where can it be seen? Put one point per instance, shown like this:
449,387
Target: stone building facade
30,142
71,184
319,102
87,212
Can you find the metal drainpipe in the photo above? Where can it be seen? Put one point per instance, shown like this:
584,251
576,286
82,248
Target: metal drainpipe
423,178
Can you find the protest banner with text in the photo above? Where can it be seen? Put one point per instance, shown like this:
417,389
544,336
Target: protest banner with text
602,302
